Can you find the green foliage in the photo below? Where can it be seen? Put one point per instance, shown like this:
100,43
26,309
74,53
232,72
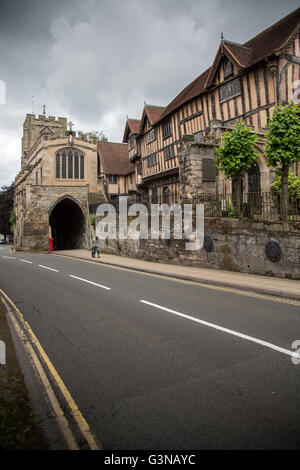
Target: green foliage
6,206
231,212
283,136
293,185
94,135
92,220
12,221
236,153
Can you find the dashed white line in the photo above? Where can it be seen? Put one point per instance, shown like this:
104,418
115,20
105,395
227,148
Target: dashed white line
225,330
90,282
9,257
47,267
26,261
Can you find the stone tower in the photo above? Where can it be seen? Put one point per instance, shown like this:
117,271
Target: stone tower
36,127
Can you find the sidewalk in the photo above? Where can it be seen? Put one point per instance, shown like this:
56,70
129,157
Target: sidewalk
261,284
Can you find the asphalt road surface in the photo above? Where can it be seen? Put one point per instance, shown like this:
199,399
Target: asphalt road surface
147,363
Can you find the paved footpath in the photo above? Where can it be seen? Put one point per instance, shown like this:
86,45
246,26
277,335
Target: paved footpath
262,284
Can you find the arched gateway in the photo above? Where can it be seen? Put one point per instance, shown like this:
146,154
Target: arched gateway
67,224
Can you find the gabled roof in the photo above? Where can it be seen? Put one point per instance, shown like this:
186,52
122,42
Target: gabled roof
235,52
274,38
133,126
189,92
114,158
153,113
240,54
269,42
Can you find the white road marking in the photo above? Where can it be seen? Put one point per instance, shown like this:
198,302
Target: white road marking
26,261
46,267
90,282
225,330
9,257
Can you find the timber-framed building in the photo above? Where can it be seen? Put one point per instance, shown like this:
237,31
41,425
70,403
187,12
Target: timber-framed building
244,83
167,155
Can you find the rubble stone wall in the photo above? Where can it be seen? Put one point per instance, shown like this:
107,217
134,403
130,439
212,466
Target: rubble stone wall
235,245
32,228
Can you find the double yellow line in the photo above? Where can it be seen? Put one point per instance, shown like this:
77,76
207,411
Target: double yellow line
25,334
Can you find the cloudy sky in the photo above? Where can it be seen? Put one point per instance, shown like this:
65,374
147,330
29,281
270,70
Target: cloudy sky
97,61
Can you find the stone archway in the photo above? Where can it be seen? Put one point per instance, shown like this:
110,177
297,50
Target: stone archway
67,224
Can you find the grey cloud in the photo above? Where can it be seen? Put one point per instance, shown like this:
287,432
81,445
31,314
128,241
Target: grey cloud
95,61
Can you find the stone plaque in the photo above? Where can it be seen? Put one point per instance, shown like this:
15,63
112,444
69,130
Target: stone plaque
209,170
273,251
208,243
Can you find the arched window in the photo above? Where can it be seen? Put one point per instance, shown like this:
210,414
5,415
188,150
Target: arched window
228,70
68,164
254,179
63,164
76,166
57,165
81,166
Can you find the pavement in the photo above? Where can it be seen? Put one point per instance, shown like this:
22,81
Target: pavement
286,288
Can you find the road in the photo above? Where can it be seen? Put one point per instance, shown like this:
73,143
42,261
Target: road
154,363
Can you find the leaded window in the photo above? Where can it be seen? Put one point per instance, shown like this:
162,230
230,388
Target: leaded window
131,142
167,129
113,179
169,152
81,167
69,164
63,164
57,165
151,159
76,166
230,89
150,136
228,69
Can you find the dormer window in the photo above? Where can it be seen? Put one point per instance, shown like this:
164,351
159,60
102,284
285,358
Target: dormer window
228,68
131,142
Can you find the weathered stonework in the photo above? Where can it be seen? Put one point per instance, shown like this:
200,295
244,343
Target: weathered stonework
237,246
44,200
34,233
191,155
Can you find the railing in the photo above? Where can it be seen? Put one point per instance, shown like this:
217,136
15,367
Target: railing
252,206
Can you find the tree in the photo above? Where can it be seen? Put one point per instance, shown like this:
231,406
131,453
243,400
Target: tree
6,206
236,154
293,185
283,146
94,135
12,221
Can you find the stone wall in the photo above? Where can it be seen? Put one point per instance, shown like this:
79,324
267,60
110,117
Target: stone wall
32,227
191,157
235,245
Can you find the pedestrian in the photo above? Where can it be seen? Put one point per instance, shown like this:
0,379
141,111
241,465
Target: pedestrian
97,247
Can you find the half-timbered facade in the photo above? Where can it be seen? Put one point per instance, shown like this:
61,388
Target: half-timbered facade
115,171
244,83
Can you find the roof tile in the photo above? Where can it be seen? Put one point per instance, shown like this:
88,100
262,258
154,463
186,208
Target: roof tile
114,158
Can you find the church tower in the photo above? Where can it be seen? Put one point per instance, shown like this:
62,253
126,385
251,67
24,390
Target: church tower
42,126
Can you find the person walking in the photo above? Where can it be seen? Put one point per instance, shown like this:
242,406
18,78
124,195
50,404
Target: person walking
97,247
